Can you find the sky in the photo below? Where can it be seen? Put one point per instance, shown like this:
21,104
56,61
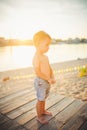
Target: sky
62,19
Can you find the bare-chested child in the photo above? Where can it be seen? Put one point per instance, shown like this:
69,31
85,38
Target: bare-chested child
44,74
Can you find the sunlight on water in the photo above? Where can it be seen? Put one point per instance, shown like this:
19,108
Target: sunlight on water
13,57
23,55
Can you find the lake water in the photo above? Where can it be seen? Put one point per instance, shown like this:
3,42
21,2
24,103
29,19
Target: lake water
13,57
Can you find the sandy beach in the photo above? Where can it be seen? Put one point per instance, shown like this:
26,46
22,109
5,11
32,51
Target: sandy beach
68,81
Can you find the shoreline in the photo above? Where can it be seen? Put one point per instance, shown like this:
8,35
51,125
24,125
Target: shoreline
60,65
31,44
68,81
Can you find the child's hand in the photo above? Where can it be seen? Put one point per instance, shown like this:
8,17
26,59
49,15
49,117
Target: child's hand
52,81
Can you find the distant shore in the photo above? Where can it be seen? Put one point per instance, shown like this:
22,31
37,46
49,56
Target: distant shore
68,81
27,42
30,44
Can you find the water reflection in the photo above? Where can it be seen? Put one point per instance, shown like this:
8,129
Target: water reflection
23,55
13,57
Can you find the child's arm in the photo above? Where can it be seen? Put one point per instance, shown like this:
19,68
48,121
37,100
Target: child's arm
52,75
41,75
52,79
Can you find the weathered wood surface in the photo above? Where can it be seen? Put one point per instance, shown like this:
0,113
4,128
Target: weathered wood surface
18,112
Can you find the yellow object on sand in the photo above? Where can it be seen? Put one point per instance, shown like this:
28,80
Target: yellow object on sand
83,71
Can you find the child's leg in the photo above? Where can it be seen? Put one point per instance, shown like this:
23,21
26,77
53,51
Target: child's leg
40,111
39,108
46,112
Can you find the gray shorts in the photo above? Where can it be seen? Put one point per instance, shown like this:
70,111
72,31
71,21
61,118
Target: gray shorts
42,88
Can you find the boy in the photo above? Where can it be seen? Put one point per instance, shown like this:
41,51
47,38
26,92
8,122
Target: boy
43,72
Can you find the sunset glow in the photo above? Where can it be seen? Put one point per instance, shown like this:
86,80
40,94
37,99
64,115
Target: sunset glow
61,19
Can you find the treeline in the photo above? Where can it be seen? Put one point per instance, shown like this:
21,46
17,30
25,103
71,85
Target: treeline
70,40
15,42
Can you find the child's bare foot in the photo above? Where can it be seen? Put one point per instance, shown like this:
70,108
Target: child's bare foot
47,113
42,120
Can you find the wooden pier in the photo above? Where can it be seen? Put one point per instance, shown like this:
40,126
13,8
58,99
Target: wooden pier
17,106
17,110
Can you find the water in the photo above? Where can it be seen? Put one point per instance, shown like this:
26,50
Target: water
13,57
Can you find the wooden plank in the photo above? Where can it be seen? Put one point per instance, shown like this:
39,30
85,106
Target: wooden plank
53,98
55,109
16,98
12,97
50,126
35,125
14,86
61,105
21,110
18,102
77,120
31,114
17,112
68,112
7,124
84,126
3,119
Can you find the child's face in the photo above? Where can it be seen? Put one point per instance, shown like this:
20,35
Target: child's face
44,45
